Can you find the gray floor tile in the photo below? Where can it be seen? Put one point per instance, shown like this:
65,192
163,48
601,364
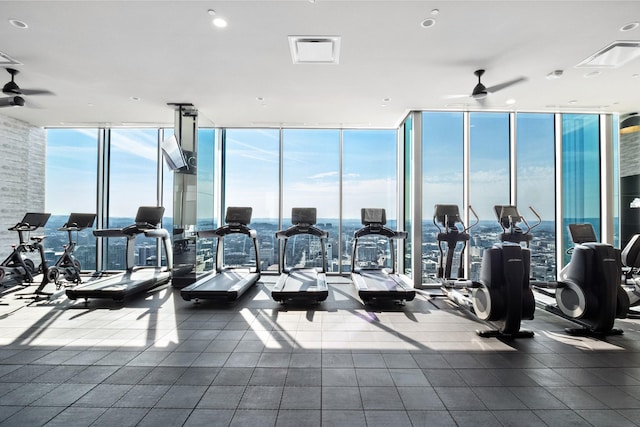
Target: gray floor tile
380,398
602,418
374,377
32,416
142,396
474,419
163,375
64,395
310,377
254,418
431,419
387,418
459,399
121,417
341,398
128,375
514,418
233,376
181,396
76,417
209,418
338,377
301,398
164,417
261,397
26,394
420,398
268,376
563,417
221,397
498,398
298,418
197,376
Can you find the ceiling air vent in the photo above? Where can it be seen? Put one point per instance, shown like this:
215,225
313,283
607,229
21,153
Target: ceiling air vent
615,55
314,50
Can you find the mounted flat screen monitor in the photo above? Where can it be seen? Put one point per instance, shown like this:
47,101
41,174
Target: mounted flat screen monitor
173,155
582,233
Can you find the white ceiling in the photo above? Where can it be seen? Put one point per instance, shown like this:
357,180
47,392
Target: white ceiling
95,55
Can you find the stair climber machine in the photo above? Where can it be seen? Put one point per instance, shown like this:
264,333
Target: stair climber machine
67,269
229,281
373,278
304,247
501,297
135,279
589,291
17,269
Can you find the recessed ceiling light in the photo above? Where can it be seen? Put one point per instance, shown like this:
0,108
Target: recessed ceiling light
134,98
510,101
386,100
259,98
434,12
592,74
218,21
18,24
573,102
428,23
630,26
635,75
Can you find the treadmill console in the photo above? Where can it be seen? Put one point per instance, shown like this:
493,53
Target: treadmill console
151,215
373,216
303,216
238,215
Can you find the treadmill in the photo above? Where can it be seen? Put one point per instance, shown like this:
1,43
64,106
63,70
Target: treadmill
228,282
305,280
135,279
373,277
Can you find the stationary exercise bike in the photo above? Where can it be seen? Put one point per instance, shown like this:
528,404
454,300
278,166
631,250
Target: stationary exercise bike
589,291
67,267
501,297
17,269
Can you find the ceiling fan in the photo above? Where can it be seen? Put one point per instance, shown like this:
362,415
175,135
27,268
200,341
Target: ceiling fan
480,91
14,91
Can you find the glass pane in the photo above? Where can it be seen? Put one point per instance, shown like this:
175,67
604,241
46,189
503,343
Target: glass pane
489,180
373,252
442,179
71,183
580,173
408,200
535,178
303,251
133,183
311,169
616,181
251,178
368,181
206,218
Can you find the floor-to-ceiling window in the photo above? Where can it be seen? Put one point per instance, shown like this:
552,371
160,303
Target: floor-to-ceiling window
311,178
489,182
580,173
407,142
442,180
369,180
71,172
251,178
133,182
535,181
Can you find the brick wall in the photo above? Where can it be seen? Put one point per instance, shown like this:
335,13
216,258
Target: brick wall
22,175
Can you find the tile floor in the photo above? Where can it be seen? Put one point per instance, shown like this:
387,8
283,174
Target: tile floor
160,361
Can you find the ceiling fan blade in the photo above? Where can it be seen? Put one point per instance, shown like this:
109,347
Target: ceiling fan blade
36,92
456,96
505,84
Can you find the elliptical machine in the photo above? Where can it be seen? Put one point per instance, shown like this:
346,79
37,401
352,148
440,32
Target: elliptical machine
589,291
502,296
17,269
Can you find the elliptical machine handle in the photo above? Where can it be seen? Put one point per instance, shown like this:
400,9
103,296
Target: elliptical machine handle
537,216
475,223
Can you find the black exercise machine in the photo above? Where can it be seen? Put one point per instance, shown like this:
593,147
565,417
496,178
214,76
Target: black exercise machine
501,297
17,269
233,276
304,280
589,290
373,278
135,279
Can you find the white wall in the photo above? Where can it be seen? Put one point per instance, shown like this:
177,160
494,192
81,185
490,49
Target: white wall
22,176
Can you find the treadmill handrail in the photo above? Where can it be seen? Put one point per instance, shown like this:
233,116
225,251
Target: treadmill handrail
228,229
380,230
302,229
